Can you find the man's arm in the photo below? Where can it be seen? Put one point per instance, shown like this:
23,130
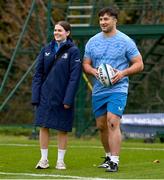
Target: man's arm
136,66
87,66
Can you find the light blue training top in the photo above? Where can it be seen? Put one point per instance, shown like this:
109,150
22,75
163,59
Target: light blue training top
118,51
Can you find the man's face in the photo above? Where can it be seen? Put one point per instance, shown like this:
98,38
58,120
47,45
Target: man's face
107,23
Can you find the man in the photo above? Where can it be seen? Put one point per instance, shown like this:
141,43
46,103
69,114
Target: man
115,48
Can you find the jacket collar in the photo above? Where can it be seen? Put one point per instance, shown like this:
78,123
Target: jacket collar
65,45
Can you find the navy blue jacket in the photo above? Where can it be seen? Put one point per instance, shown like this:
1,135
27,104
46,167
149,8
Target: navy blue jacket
55,84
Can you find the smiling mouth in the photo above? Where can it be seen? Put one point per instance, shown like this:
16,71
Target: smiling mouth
103,25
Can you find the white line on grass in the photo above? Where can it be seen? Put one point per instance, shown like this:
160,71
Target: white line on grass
144,149
51,175
94,147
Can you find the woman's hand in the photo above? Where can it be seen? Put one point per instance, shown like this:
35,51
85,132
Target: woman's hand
66,106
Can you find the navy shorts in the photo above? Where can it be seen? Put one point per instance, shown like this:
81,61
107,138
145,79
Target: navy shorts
114,103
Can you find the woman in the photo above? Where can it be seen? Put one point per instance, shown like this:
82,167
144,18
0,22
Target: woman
54,85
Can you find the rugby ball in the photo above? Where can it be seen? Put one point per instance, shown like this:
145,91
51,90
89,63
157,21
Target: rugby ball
105,74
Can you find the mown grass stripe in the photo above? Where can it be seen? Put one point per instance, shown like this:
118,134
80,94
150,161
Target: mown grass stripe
94,147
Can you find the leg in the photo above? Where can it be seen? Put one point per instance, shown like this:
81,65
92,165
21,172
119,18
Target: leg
113,122
44,140
101,123
102,126
62,145
62,139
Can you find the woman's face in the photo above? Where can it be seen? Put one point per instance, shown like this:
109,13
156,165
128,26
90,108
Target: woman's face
60,34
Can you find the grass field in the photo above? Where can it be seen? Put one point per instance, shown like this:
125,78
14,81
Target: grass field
18,157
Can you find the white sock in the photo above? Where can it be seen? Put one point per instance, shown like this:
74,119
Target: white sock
108,154
115,159
61,154
44,154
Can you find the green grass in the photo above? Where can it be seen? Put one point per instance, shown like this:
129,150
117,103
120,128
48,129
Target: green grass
82,158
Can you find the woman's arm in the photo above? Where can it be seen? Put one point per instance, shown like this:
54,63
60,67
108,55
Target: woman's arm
38,78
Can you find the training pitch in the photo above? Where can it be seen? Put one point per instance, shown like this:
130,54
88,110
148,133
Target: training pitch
19,155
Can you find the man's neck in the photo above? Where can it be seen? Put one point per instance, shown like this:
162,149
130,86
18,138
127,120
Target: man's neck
110,34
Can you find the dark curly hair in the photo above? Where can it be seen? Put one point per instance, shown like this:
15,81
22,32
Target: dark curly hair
111,11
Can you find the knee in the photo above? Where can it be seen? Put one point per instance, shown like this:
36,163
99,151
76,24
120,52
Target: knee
43,129
62,133
113,124
101,127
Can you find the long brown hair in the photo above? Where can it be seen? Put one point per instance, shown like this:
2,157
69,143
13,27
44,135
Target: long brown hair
65,25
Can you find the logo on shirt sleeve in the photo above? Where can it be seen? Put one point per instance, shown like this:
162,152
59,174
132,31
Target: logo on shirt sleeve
78,60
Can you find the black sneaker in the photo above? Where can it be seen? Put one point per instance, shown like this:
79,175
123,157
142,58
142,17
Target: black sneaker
113,167
106,163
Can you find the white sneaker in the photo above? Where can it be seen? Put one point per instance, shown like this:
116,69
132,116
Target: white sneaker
42,164
60,165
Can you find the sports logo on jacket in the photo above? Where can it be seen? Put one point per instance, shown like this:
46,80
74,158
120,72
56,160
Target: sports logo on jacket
47,53
65,56
78,60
